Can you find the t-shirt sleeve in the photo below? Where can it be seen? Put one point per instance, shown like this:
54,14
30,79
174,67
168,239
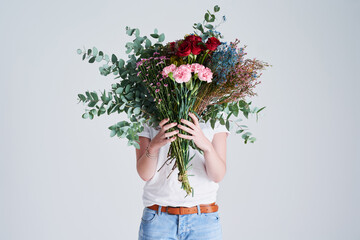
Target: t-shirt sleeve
220,128
145,132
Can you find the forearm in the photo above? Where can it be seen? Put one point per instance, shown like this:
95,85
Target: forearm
215,166
146,166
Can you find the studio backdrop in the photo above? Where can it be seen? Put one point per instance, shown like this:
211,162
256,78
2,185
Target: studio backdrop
64,177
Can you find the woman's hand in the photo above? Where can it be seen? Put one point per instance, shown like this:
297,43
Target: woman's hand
163,137
197,135
214,152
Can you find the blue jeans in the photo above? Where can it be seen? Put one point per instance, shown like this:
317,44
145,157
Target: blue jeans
157,225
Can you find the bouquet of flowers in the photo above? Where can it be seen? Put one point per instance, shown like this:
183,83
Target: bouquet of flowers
197,74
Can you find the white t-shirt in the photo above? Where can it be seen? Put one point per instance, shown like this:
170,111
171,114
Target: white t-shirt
167,191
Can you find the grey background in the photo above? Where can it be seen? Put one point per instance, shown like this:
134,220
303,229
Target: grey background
63,177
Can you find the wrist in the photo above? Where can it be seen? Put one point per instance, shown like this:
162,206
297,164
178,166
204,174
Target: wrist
208,148
153,150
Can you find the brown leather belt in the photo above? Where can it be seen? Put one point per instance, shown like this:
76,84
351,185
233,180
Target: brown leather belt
204,208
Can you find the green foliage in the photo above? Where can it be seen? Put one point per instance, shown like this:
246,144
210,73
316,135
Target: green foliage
128,95
129,130
206,29
228,114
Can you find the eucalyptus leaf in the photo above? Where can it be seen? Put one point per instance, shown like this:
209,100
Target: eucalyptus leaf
228,125
161,37
119,90
95,51
82,97
112,133
222,121
129,31
137,110
121,63
85,115
154,35
212,122
113,58
239,131
147,43
92,59
99,58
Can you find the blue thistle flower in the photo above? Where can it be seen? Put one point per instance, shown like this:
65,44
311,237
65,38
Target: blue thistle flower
223,60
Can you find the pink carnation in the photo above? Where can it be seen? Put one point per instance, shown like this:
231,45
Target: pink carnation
205,75
168,69
196,67
182,73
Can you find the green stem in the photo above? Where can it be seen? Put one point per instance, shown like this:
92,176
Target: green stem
202,61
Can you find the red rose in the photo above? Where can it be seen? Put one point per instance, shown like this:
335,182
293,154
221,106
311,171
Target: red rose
193,38
212,43
197,48
172,46
184,49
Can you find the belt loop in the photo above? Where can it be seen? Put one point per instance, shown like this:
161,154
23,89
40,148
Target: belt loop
199,211
159,210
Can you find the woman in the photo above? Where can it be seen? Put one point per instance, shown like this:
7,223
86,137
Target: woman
168,213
